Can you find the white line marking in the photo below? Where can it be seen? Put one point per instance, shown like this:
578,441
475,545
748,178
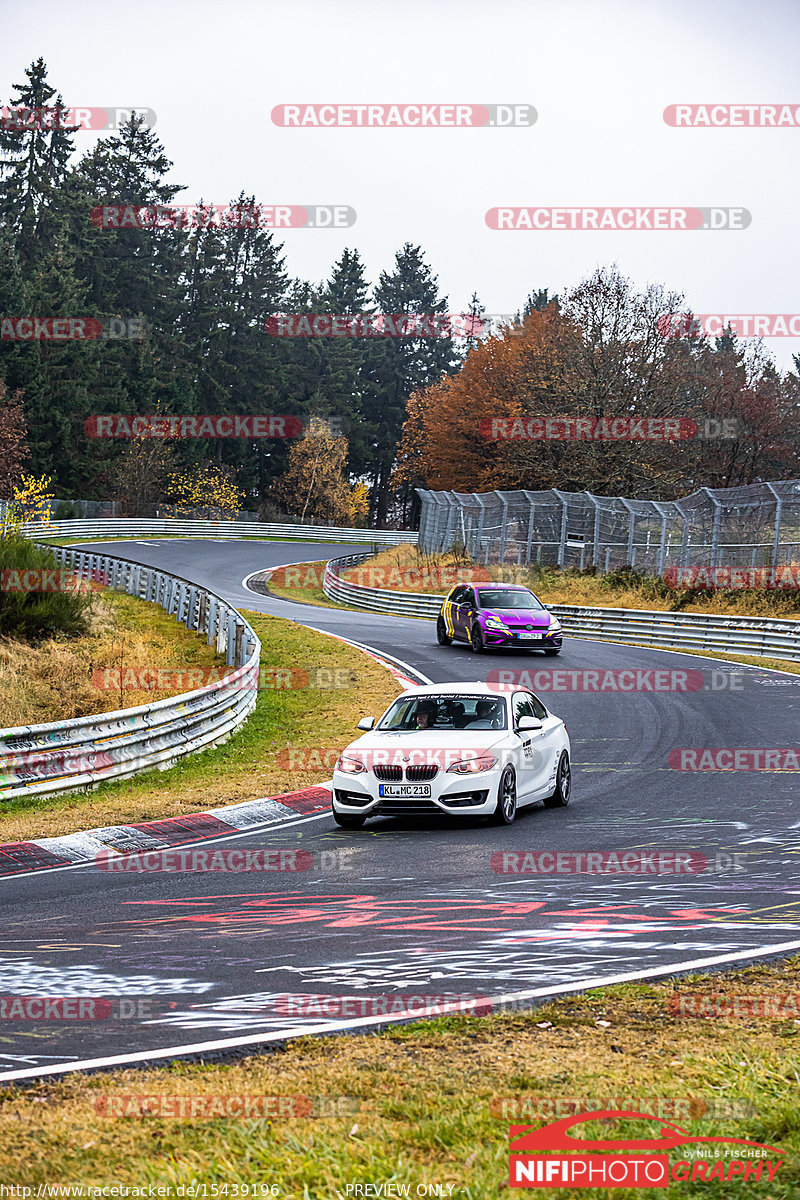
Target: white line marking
382,1019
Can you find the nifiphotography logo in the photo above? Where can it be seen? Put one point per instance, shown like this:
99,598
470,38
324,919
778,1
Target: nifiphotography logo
637,1163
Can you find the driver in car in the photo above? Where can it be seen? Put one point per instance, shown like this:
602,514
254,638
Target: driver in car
425,715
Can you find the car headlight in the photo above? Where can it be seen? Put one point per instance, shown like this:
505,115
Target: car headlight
555,625
350,766
471,766
494,623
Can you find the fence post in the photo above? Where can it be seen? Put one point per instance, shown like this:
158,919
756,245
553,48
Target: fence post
562,541
481,520
684,535
631,526
596,538
715,526
776,540
503,526
662,544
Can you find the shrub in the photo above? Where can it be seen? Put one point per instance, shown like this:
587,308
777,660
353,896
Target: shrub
33,616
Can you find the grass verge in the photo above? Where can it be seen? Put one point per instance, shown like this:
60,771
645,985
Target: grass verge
255,762
431,1102
128,640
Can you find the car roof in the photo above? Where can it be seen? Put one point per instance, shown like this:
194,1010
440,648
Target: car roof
481,584
466,688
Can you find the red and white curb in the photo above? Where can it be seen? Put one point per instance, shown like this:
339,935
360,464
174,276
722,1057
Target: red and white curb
77,849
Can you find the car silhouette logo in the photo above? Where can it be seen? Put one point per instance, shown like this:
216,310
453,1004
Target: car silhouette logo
556,1136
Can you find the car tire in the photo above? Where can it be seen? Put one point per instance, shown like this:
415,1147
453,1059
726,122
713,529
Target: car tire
506,808
476,638
563,788
551,653
442,636
348,821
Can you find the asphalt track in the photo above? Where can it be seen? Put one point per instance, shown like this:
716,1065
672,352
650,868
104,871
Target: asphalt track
206,961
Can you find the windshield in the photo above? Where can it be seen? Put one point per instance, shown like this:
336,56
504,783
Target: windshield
411,714
500,598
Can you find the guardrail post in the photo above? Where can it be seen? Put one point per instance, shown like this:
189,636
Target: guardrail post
238,657
191,622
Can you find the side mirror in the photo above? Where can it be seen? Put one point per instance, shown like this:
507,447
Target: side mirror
528,725
366,723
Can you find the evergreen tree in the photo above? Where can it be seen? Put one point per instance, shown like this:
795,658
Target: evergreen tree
405,364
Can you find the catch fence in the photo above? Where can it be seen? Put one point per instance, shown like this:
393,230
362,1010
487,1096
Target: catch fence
753,526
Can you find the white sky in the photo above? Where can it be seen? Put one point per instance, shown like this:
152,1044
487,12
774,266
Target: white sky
599,72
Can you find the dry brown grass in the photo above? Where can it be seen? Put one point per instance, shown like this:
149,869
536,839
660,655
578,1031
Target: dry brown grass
59,678
247,767
404,568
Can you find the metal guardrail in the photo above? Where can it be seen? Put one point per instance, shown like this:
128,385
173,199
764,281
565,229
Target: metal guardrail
83,752
757,636
147,527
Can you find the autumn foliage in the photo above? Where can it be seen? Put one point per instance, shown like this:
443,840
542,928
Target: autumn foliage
601,354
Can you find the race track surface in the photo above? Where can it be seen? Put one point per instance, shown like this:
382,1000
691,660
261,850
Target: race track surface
416,907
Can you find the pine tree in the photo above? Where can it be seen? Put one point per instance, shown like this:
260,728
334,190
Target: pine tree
405,364
34,158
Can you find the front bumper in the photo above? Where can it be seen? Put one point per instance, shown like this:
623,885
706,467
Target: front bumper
496,637
455,795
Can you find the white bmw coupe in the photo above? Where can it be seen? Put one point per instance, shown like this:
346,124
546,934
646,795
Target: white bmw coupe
465,749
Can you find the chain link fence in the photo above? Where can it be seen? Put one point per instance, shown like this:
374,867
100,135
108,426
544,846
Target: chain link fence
753,526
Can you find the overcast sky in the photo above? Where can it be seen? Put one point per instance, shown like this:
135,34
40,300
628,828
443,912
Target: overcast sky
599,73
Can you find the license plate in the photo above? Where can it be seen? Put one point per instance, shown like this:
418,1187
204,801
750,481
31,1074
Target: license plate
528,634
404,789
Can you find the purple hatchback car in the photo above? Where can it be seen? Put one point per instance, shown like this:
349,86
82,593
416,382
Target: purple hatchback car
497,614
